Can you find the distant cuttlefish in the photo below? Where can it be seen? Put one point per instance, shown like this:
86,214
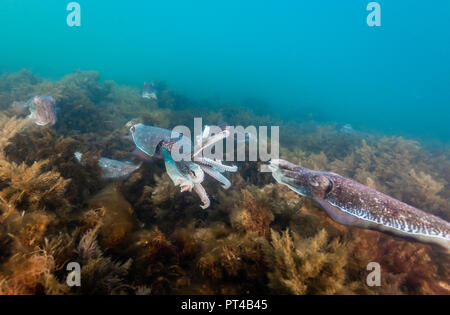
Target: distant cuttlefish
113,168
351,203
149,91
39,109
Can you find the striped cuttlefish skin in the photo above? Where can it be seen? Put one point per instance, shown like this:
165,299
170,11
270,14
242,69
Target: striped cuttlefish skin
351,203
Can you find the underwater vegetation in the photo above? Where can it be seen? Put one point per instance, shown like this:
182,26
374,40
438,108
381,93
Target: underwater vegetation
141,235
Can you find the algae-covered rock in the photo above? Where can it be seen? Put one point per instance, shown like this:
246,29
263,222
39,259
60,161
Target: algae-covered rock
115,216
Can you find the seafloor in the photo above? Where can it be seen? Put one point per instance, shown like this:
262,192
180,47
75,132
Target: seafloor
141,235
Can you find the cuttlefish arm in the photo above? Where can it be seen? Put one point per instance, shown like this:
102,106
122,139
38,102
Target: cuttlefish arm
186,174
178,178
351,203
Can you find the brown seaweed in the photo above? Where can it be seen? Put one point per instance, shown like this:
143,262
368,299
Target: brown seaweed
142,236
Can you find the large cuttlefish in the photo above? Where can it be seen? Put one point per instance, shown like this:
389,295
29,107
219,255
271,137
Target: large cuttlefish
351,203
188,172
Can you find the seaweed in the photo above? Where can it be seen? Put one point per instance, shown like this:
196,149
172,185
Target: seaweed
407,267
141,235
56,154
114,216
100,274
251,216
27,188
231,261
308,265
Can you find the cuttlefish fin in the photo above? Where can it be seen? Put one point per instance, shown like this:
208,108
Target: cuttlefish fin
216,175
142,155
20,109
334,212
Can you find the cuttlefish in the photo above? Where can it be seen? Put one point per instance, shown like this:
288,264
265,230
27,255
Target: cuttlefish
39,109
113,168
351,203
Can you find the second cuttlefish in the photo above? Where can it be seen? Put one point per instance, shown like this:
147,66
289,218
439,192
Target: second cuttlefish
351,203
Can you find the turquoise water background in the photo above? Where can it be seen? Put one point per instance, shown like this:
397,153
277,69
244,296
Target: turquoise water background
299,59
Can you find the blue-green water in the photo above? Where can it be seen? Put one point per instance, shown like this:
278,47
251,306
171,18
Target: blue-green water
296,58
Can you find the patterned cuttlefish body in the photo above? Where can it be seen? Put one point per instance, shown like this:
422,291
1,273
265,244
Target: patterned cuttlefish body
351,203
153,142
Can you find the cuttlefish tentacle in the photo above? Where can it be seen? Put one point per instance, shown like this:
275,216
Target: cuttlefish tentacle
189,175
351,203
217,176
216,164
196,173
188,172
208,141
198,188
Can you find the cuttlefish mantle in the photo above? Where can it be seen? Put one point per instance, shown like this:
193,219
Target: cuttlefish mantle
351,203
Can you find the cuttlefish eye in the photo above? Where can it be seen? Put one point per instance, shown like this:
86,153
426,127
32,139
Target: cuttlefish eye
320,182
132,129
